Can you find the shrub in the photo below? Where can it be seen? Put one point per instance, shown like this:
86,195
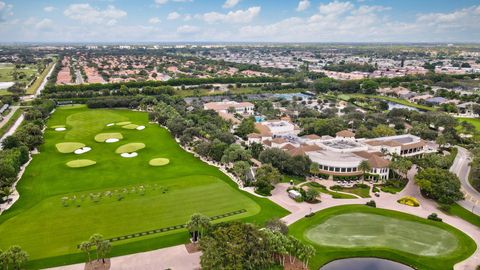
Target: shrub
314,184
375,189
361,186
410,201
434,217
445,207
371,203
310,215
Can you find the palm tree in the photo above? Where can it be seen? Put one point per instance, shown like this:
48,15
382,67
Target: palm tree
364,166
86,246
198,225
103,248
4,259
95,240
17,256
314,168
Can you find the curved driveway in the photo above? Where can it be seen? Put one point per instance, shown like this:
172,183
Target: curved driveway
461,167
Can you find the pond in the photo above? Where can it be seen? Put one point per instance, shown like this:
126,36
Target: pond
393,105
365,264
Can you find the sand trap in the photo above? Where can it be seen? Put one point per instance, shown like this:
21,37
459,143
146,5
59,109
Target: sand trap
129,148
60,129
140,127
112,140
159,162
79,163
111,124
103,137
68,147
129,155
82,150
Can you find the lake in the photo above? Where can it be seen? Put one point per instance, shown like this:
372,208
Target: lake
365,264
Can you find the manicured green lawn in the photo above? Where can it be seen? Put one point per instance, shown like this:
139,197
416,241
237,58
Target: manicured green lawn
335,195
387,98
61,206
38,81
363,192
362,231
464,214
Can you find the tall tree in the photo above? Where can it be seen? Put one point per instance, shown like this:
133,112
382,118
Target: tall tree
198,226
365,167
18,256
86,247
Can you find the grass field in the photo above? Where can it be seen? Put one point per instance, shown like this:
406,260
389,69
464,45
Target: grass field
361,231
61,206
464,214
387,98
335,195
38,81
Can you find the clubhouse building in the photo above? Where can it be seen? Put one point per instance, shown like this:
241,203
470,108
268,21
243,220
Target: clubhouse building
340,156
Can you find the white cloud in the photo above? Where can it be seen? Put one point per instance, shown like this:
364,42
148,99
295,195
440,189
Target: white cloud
45,24
154,20
230,3
49,8
173,15
187,29
238,16
335,8
303,5
5,11
162,2
87,14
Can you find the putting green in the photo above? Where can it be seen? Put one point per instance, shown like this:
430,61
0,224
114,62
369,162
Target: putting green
130,126
159,162
129,148
123,123
79,163
68,147
371,230
102,137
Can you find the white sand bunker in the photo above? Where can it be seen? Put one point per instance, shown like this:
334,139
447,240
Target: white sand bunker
140,127
60,129
129,155
111,140
111,124
82,150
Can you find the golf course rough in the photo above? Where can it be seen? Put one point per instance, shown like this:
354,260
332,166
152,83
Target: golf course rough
50,232
159,162
129,148
68,147
79,163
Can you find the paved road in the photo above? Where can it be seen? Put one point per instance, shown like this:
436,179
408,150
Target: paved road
12,129
5,119
79,78
461,167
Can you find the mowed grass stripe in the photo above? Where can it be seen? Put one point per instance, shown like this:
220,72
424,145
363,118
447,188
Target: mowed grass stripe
47,230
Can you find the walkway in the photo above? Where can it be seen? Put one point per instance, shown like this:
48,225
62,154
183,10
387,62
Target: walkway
7,117
176,258
461,167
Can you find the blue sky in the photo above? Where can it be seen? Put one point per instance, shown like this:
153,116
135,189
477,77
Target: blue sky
240,20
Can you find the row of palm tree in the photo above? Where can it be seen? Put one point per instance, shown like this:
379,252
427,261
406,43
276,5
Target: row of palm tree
14,256
101,246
